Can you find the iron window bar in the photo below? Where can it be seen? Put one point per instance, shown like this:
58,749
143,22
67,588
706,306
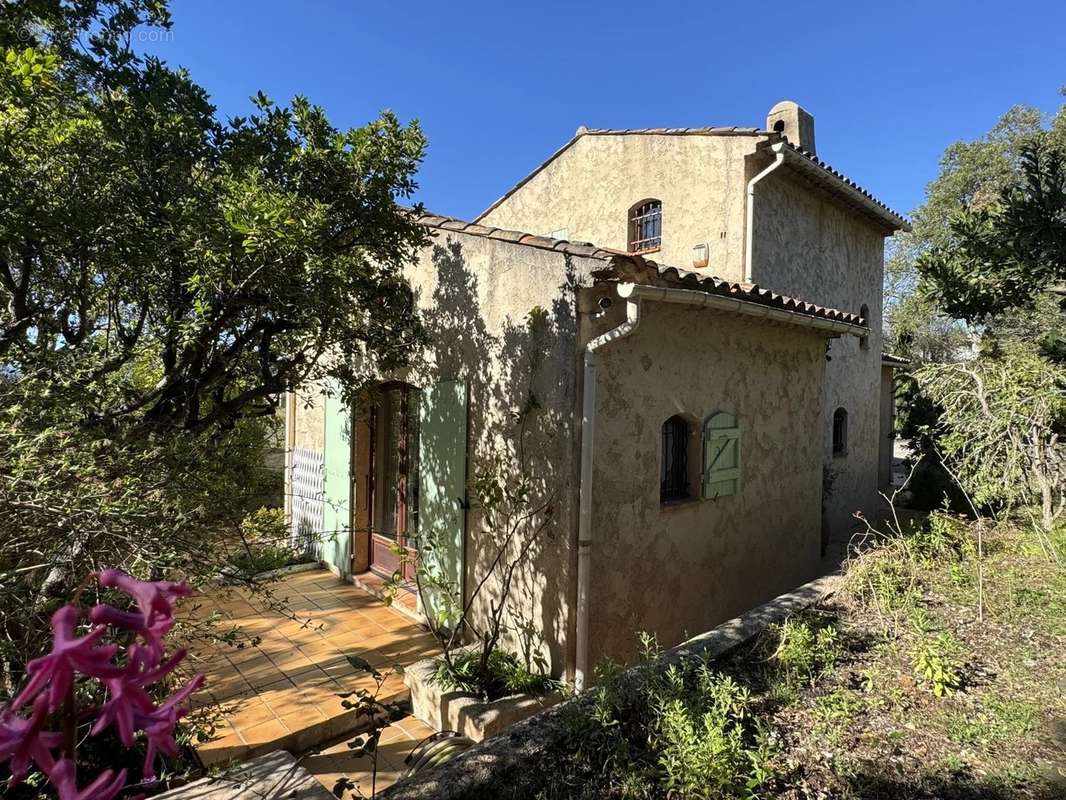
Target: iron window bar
646,227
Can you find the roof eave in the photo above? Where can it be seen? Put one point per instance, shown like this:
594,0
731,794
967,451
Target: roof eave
737,305
836,184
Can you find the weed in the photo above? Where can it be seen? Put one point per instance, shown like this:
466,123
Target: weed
937,664
993,722
832,711
803,651
921,622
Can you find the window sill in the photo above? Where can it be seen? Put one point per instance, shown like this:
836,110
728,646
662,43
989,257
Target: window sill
644,251
680,502
841,455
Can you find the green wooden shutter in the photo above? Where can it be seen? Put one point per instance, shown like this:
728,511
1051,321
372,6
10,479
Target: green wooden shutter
335,542
721,455
442,494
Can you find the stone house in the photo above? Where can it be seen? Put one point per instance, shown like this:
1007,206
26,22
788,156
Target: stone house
702,392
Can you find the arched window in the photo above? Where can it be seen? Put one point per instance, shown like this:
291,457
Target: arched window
674,483
645,226
864,312
840,432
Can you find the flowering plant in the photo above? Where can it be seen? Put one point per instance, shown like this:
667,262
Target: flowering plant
125,669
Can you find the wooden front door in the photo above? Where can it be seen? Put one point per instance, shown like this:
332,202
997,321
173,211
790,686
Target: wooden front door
392,483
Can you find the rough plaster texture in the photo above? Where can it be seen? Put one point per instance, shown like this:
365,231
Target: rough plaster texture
308,416
679,568
515,758
805,243
476,297
591,186
808,245
888,421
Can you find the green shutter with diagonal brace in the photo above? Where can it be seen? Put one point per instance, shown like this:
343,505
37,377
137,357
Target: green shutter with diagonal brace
721,456
442,493
335,542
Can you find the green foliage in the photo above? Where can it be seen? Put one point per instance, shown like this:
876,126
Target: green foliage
804,650
265,525
938,665
506,675
165,278
1002,427
1003,254
704,748
684,730
378,715
992,182
833,710
992,722
263,558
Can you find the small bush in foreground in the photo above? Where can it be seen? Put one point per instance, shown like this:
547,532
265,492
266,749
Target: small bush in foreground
507,675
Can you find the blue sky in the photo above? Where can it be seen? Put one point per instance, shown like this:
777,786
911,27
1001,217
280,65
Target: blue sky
499,86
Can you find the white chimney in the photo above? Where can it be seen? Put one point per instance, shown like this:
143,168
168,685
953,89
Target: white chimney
793,122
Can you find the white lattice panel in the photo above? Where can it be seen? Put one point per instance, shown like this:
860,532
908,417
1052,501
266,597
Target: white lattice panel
308,483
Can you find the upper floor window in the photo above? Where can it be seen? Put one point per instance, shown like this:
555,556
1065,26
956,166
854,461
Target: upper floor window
840,432
674,478
645,226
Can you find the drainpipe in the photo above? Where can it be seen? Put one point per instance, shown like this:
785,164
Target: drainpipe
584,520
779,159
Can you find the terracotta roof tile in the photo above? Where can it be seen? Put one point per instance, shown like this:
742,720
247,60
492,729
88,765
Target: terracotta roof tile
638,269
633,267
894,217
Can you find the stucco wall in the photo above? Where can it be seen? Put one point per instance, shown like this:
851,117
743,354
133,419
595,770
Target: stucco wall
308,420
888,422
680,569
477,298
591,186
808,245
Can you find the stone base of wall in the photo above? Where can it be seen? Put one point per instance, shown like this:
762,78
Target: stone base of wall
468,716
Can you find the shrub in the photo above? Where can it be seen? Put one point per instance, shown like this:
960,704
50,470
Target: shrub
937,664
804,650
265,525
686,731
507,675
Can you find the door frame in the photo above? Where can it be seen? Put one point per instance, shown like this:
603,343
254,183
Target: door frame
380,557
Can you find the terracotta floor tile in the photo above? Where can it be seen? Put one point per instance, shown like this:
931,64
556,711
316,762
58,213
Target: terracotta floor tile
299,667
305,717
264,732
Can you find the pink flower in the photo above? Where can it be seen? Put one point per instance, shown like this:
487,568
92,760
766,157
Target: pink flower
126,701
154,598
64,777
24,740
69,653
158,725
152,632
129,706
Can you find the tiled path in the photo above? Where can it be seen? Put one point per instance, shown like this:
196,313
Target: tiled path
337,761
282,694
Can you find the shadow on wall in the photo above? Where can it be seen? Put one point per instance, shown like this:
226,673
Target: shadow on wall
520,379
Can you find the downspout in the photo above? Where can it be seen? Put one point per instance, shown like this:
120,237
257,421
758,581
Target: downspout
584,520
779,159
